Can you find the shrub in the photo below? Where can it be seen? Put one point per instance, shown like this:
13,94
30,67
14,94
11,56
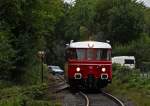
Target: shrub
25,96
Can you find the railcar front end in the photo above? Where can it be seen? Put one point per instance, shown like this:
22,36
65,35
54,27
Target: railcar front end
89,66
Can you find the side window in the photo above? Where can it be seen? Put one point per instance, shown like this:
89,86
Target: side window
81,54
70,54
104,54
109,55
129,61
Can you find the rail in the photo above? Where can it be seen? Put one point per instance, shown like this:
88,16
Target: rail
86,98
109,96
119,102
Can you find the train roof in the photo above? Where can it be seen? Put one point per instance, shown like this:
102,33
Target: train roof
90,44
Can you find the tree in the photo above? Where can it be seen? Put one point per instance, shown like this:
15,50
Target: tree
53,15
120,20
81,17
6,56
147,21
21,19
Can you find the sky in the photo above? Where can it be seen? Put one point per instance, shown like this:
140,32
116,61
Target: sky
69,1
146,2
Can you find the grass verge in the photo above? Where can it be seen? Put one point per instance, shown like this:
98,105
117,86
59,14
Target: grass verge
128,85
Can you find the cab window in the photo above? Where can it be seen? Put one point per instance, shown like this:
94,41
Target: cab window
71,54
80,54
90,54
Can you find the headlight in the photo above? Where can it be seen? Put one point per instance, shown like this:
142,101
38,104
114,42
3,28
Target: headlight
103,69
78,69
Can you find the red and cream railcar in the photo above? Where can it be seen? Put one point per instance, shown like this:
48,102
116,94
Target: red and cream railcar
88,64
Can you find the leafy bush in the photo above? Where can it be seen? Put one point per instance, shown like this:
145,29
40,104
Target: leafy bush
33,75
38,103
122,73
36,92
5,84
14,101
145,66
9,92
130,77
26,96
139,48
6,55
128,84
24,101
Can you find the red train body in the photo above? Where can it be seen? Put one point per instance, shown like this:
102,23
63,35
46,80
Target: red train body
88,64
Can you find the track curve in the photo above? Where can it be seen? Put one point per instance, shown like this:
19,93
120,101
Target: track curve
90,99
86,98
119,102
101,99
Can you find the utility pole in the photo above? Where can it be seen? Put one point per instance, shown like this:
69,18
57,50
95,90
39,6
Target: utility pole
42,55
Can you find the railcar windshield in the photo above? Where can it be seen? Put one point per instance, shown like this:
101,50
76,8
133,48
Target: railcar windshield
80,54
89,54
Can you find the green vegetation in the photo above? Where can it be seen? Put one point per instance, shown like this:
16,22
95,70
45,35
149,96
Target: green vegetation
28,96
29,26
128,84
26,27
139,48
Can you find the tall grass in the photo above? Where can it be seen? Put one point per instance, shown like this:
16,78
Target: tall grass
128,84
26,96
24,101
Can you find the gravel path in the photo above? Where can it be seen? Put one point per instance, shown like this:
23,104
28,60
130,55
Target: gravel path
100,100
66,98
71,99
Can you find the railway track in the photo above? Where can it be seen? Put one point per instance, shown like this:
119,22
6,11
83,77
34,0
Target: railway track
102,99
58,85
84,99
119,102
90,99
